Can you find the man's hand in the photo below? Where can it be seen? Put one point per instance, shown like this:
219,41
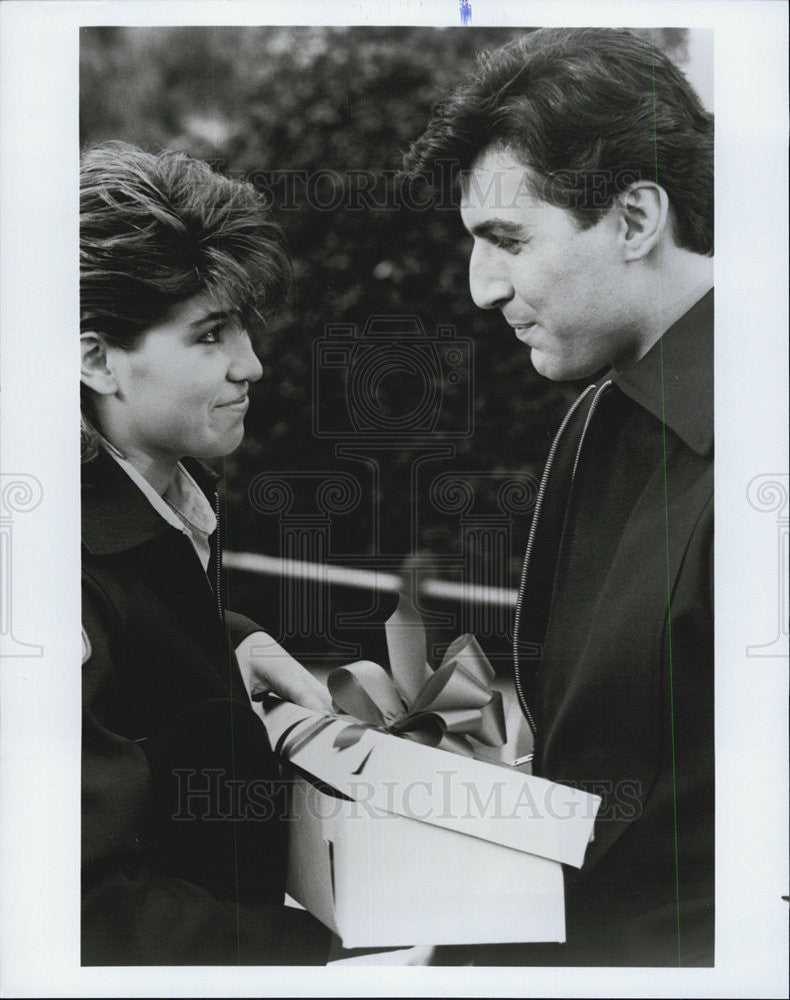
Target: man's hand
266,666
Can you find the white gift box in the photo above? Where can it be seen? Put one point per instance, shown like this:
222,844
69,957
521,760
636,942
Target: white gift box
392,843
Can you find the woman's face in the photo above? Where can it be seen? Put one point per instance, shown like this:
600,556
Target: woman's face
182,390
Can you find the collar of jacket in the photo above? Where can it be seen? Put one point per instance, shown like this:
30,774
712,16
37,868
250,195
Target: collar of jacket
674,380
116,516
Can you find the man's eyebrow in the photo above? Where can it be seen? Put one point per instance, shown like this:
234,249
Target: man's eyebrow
497,227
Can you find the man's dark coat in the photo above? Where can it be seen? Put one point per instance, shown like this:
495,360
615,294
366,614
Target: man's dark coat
617,661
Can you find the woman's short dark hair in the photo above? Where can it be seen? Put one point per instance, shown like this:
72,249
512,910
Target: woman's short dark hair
588,111
158,229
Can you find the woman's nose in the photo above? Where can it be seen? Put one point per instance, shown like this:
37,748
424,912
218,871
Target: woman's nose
245,366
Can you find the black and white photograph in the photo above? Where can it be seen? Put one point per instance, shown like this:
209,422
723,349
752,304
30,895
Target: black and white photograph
424,643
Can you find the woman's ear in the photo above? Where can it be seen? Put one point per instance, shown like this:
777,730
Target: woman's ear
644,208
95,371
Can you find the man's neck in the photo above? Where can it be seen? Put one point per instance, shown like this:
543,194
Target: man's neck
681,303
680,280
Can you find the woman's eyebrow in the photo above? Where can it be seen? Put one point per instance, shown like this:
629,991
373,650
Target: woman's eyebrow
212,317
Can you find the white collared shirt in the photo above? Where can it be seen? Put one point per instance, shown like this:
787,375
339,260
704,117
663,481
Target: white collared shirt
183,504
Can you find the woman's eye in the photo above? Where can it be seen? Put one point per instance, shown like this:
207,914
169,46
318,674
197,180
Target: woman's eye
211,336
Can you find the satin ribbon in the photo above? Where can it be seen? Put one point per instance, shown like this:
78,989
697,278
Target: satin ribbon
439,708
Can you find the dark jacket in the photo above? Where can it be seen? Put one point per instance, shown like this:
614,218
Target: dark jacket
183,847
616,660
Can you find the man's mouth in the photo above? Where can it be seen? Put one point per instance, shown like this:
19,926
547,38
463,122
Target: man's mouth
522,330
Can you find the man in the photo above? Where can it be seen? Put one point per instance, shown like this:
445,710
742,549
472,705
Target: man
585,163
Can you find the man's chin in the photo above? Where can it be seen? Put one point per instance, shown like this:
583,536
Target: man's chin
560,370
549,367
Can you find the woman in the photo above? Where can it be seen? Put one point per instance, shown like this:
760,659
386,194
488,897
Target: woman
182,863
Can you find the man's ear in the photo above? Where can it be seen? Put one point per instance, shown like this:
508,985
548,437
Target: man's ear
95,370
644,209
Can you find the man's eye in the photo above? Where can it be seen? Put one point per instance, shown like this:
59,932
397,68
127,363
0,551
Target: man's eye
507,244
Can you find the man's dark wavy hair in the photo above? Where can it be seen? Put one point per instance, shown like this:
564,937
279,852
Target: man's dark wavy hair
158,229
588,111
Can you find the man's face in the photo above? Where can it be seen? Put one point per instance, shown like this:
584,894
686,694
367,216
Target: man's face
183,388
562,289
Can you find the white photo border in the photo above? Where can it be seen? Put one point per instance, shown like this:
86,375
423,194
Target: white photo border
40,694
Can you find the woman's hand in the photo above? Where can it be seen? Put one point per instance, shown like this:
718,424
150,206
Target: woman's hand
266,666
339,956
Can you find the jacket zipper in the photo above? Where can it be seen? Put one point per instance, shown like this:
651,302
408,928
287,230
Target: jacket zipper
533,531
218,564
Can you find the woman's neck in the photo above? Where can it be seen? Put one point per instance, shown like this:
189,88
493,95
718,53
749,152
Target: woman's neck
158,471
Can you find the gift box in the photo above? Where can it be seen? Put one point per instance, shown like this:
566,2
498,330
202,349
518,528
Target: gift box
396,841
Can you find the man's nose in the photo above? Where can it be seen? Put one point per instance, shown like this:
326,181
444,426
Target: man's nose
244,366
489,279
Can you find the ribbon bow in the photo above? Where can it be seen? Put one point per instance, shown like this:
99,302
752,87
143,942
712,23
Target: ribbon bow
439,708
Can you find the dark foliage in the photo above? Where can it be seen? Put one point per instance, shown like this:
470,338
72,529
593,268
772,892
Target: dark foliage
319,118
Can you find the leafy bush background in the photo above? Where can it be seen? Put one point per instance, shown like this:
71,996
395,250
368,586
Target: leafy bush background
265,102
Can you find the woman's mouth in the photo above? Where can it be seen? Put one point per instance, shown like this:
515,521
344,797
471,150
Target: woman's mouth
240,404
